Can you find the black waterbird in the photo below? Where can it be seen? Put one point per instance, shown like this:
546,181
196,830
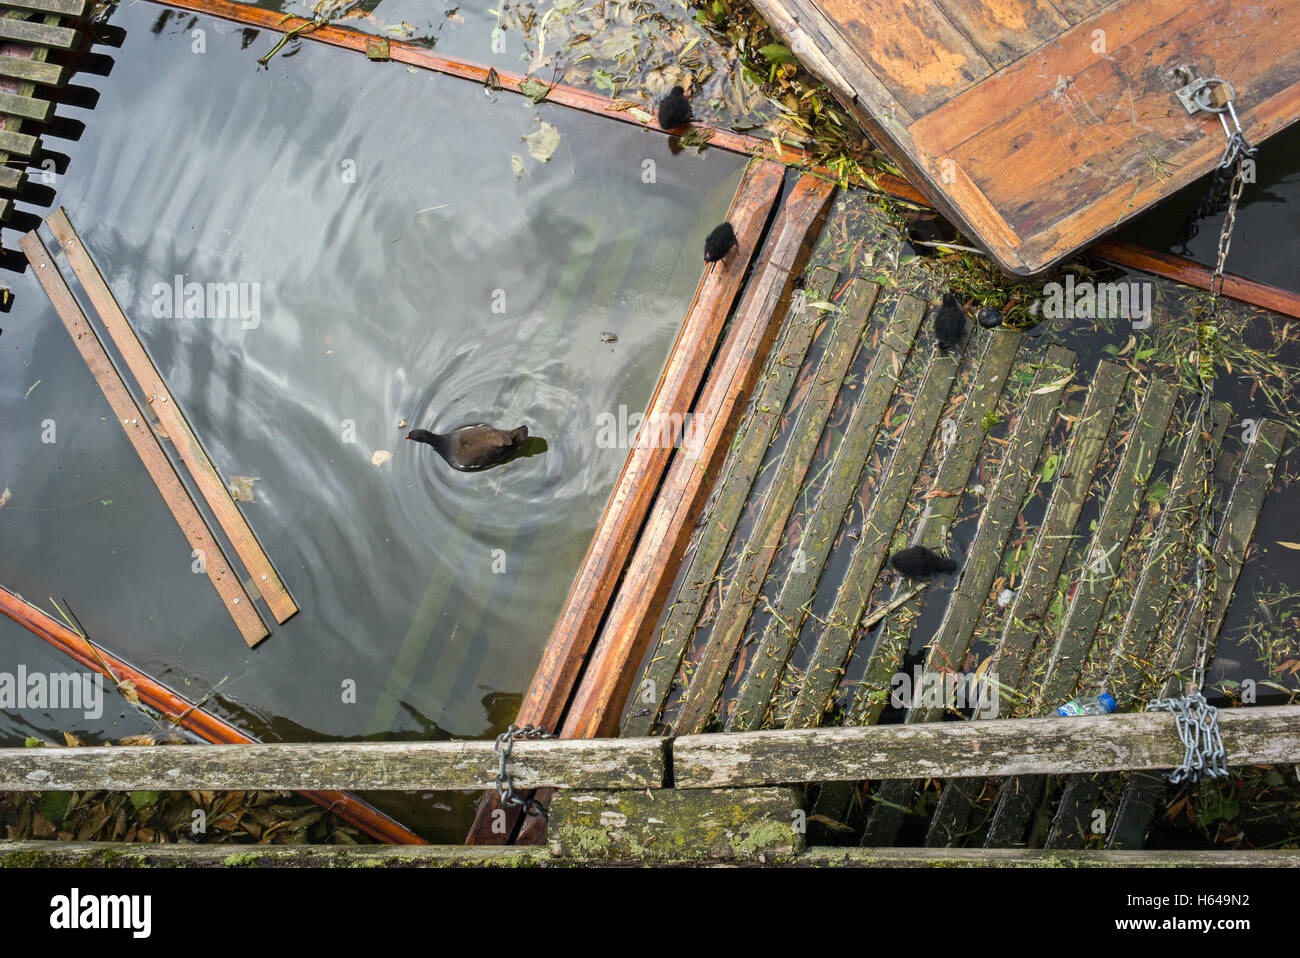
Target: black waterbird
674,110
949,322
471,448
719,243
920,563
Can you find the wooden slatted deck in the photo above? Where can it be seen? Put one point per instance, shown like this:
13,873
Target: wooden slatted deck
764,598
1036,126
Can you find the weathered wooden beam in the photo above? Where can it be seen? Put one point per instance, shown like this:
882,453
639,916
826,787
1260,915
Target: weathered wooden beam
670,825
12,178
1141,740
136,425
174,423
67,8
26,107
36,34
720,522
778,500
636,763
32,71
19,144
141,855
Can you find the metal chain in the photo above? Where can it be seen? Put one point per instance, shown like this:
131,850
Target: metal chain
505,744
1197,720
1198,727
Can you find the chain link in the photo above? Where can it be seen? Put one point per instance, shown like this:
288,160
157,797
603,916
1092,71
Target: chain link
505,744
1198,727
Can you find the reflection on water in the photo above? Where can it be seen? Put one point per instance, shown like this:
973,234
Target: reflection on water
398,274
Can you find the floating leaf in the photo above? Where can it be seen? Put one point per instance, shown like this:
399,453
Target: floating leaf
543,142
241,487
640,114
696,138
30,388
535,91
517,167
380,457
5,497
1290,545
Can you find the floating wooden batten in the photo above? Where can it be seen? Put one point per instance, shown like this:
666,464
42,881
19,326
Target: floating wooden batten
188,715
1038,130
177,428
146,444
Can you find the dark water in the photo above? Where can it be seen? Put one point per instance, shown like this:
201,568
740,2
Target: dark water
375,211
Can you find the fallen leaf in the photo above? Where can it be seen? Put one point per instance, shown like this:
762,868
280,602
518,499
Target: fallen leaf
542,143
71,740
939,494
241,487
380,457
534,90
1052,386
1284,545
5,497
518,168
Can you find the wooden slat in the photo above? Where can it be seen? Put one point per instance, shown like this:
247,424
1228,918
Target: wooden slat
136,425
636,763
627,630
1074,478
1162,569
68,8
720,522
593,588
34,33
12,179
27,107
163,404
820,532
1005,30
1259,735
1255,477
32,71
952,641
745,584
19,144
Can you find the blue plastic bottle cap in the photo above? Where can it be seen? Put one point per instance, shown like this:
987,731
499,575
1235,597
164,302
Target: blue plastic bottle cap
1107,702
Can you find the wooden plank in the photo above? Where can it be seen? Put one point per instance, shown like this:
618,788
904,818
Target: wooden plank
46,854
35,33
19,144
623,639
67,8
671,825
952,641
1255,477
12,179
174,423
27,107
782,631
1161,571
1259,735
835,643
608,672
746,582
718,526
1005,30
1074,478
636,763
633,495
1141,442
188,715
136,425
32,71
907,64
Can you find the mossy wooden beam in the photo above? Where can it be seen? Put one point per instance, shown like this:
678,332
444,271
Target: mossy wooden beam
835,644
67,8
32,71
1141,442
1073,480
1164,566
952,641
25,107
34,33
637,763
742,591
718,526
1260,735
782,631
670,825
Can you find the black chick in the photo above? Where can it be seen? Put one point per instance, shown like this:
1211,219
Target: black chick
719,243
949,322
674,110
920,563
471,448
